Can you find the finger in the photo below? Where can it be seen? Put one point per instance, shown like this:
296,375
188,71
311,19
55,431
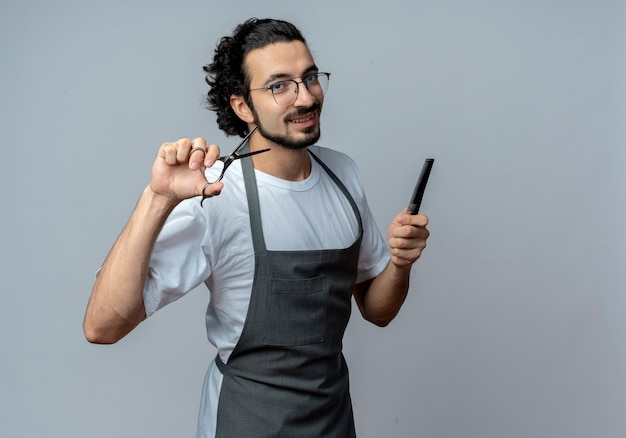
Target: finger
405,257
168,152
417,220
406,226
210,189
196,160
211,155
197,149
404,243
407,249
193,151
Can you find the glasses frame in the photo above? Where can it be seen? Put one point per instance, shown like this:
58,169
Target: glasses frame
305,81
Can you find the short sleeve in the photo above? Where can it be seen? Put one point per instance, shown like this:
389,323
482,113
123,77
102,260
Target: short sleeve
178,263
374,254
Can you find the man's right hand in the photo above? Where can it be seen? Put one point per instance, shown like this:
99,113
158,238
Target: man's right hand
116,304
178,171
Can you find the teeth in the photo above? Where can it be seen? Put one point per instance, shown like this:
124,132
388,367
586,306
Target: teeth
301,120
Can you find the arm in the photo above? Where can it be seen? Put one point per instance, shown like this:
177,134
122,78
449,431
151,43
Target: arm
116,303
381,298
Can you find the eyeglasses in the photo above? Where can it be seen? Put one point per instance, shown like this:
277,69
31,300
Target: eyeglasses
285,92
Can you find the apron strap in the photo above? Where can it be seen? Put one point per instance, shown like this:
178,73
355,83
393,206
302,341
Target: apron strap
255,208
252,194
343,188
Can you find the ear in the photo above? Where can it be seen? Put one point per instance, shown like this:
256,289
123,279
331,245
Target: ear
241,108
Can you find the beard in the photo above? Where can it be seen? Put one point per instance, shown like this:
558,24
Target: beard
312,134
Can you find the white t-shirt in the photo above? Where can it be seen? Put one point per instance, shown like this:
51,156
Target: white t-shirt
213,244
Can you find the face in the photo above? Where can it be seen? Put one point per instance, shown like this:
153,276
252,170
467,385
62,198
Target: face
294,126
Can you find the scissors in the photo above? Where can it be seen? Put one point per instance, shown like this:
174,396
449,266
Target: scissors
229,159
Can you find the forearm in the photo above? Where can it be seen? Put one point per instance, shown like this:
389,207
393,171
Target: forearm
116,303
381,299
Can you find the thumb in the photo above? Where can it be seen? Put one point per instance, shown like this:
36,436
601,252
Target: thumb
209,190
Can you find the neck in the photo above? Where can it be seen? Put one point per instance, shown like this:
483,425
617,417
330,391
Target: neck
279,161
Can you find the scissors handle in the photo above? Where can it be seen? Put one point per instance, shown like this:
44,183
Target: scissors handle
229,159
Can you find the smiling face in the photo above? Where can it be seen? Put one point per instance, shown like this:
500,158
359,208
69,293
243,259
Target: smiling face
293,126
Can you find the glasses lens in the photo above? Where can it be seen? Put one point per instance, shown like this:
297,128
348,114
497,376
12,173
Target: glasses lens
317,84
286,92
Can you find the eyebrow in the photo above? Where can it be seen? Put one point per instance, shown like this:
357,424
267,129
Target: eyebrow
284,76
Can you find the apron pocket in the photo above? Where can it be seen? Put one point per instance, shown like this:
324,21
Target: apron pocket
296,311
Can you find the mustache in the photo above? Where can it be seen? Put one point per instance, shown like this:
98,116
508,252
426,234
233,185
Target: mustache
302,111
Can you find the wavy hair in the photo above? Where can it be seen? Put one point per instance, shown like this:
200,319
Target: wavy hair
226,75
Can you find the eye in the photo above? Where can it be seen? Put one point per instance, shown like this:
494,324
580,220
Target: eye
279,87
312,78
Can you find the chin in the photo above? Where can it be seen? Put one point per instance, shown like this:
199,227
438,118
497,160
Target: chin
307,138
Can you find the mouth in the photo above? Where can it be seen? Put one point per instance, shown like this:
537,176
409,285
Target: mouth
304,117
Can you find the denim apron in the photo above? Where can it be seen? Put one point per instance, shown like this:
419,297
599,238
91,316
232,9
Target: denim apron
287,376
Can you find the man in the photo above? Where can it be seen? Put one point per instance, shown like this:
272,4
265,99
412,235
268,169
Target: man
283,248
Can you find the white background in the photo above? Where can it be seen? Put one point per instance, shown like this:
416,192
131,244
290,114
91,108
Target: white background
514,326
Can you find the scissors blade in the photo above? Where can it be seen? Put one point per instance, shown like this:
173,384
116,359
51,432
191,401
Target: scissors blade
251,153
244,141
233,155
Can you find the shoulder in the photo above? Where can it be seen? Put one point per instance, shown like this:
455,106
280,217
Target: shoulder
332,155
344,167
340,163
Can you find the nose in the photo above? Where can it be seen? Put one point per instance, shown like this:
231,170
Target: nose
304,98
